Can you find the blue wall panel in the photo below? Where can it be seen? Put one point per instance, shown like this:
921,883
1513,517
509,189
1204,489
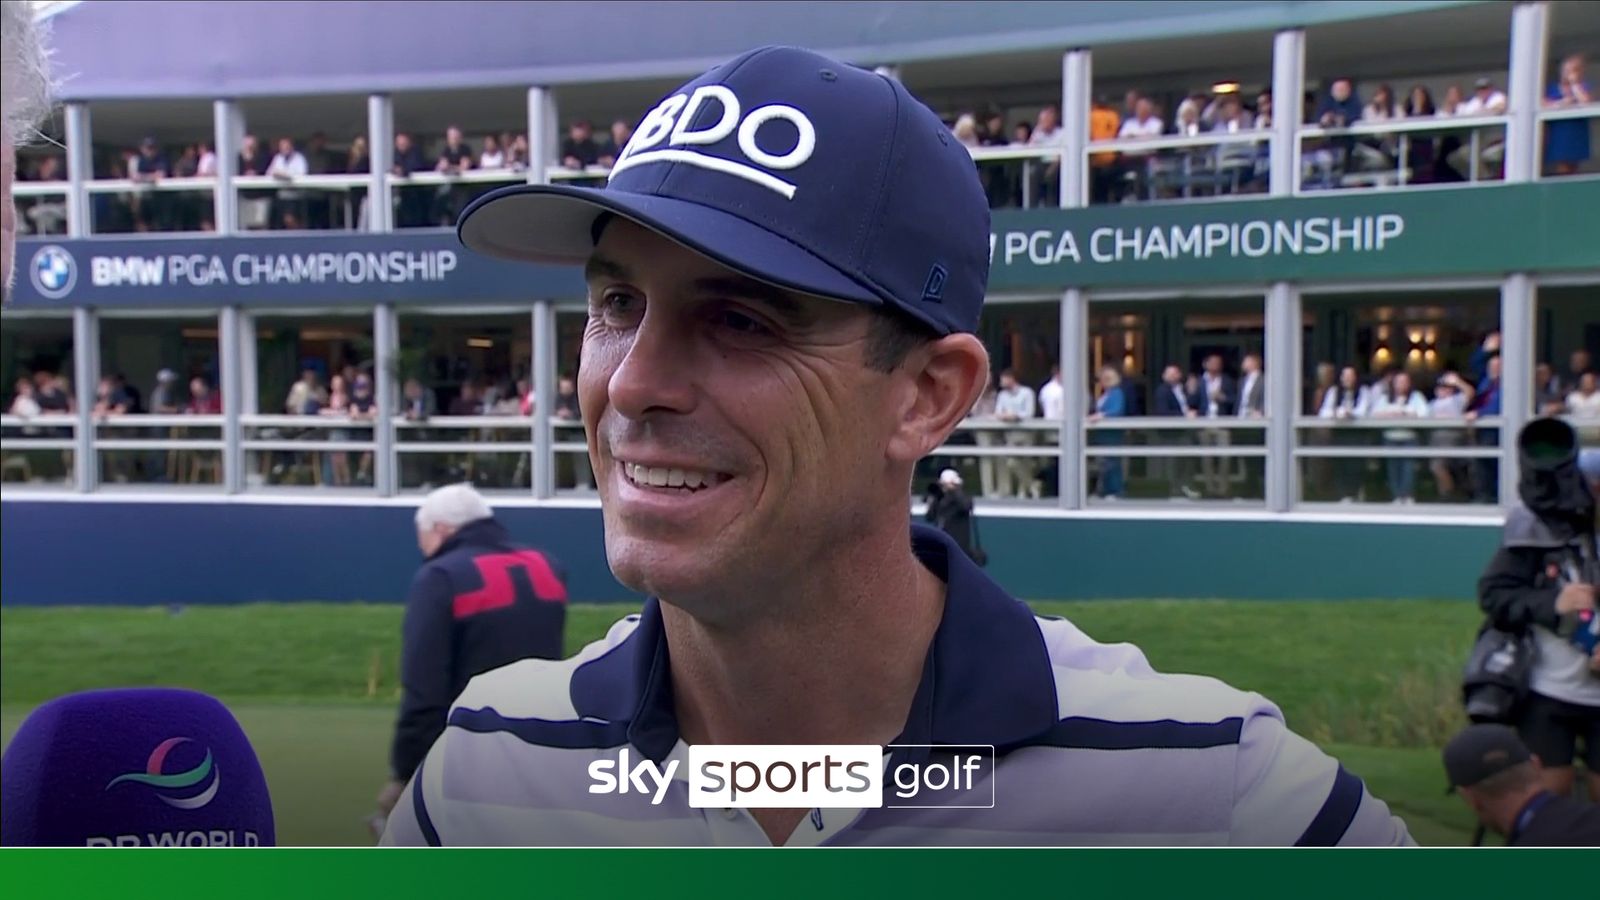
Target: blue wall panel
89,552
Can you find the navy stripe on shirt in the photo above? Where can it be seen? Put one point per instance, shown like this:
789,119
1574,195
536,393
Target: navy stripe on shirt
1336,814
569,735
1081,733
420,808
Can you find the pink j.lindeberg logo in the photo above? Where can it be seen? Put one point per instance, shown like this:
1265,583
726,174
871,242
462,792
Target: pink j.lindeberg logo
175,789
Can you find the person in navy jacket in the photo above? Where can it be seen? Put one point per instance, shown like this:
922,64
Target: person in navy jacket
479,602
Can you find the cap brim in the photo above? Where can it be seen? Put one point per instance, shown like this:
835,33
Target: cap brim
554,224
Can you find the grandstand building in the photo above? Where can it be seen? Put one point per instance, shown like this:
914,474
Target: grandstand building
252,197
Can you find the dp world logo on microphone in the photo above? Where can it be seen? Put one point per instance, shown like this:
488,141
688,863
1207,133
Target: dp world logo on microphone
53,272
181,788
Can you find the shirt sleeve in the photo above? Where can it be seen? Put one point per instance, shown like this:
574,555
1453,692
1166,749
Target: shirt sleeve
1287,792
425,671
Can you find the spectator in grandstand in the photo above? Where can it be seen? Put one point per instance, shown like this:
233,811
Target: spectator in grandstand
203,401
50,390
1252,396
1400,401
1450,397
1577,364
23,402
517,156
1046,130
1583,405
492,156
1186,122
336,465
1451,101
306,396
1021,134
252,161
1350,400
1046,133
1486,403
1340,106
615,142
289,165
1566,141
1486,100
1383,106
363,408
1263,117
357,161
205,165
164,399
1173,399
1016,402
567,399
455,159
148,167
966,131
320,160
1052,397
579,150
1145,122
413,206
1104,123
417,403
1110,403
466,401
1547,395
45,215
188,163
479,602
993,133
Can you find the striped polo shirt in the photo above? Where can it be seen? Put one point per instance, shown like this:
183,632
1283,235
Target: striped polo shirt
1092,747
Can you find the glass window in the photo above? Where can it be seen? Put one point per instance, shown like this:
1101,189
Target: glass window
466,400
305,431
1193,370
1567,357
158,411
1210,124
573,473
1401,398
1386,119
1007,449
451,147
154,167
38,425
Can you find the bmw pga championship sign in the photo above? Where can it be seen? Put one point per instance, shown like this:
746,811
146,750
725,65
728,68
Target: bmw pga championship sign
1336,237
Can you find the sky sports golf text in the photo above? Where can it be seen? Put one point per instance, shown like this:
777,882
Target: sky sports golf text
810,776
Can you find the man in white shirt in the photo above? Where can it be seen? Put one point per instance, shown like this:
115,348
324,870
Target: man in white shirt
1052,398
288,166
1144,123
1486,100
1047,133
1016,402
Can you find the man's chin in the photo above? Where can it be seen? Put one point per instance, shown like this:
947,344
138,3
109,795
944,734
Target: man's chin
663,568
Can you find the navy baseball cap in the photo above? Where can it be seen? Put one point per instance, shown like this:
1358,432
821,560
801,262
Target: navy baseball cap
788,167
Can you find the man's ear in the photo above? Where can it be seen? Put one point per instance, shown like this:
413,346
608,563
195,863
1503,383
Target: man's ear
947,377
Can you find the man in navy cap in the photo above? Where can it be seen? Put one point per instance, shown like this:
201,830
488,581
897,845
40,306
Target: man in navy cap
786,270
1495,773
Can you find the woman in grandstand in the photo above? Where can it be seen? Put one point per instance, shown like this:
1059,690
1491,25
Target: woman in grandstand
337,462
1347,402
1400,401
1566,141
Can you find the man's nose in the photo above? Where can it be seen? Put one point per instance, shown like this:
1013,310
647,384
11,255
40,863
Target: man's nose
657,373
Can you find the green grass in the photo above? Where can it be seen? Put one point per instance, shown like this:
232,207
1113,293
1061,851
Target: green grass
314,684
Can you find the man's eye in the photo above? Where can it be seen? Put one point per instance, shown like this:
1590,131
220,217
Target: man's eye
616,305
737,321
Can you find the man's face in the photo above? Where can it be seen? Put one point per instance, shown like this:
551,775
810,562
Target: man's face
1251,365
1341,90
1214,365
402,142
1008,382
8,215
580,132
1047,118
1172,375
1143,109
1588,383
453,136
430,539
1542,373
691,373
198,388
286,147
1579,362
565,386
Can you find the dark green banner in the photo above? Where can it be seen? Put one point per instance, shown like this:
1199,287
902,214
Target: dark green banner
1119,874
1547,226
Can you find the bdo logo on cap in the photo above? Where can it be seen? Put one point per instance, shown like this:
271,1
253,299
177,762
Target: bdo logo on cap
53,272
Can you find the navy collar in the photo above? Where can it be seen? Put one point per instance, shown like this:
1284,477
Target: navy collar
1529,810
987,679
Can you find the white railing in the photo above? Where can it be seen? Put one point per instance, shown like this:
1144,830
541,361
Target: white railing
41,188
16,432
1422,449
1402,128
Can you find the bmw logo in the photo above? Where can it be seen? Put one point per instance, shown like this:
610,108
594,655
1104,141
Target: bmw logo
53,271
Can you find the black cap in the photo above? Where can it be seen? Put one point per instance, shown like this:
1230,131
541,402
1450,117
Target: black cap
1481,751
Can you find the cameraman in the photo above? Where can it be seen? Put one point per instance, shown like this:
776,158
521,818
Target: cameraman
1541,583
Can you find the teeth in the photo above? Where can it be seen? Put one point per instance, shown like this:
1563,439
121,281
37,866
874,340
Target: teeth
664,477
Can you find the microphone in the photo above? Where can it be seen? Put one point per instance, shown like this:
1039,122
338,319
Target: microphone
133,767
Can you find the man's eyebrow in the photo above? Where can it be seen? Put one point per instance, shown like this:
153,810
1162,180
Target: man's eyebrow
600,267
779,300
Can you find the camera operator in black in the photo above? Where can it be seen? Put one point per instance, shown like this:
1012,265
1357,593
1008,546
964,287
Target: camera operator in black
1541,583
950,510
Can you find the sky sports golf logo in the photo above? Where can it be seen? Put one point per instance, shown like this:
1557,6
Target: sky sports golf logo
181,789
809,776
